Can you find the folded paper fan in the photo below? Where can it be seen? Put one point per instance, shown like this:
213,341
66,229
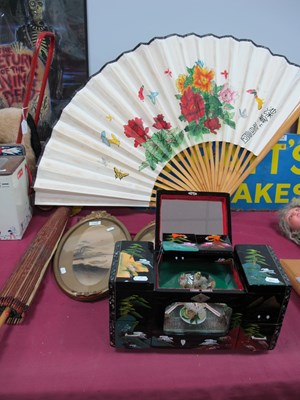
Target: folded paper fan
180,112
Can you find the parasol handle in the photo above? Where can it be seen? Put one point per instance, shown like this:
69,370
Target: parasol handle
5,314
32,72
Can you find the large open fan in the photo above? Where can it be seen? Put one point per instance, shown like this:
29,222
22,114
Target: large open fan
180,112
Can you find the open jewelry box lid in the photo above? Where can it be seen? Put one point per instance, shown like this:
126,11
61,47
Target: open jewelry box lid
192,213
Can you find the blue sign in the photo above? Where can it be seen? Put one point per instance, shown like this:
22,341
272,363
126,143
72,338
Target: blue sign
275,181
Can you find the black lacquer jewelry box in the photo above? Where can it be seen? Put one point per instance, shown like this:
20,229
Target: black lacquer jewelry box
192,288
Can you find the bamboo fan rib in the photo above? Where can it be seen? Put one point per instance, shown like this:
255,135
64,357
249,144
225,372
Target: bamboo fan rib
210,167
178,113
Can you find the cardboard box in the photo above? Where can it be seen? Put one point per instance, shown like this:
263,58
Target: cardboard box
194,289
15,210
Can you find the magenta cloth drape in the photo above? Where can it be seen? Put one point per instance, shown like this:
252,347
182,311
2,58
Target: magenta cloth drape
61,351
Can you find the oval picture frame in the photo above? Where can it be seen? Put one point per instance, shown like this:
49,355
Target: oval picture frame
84,255
147,233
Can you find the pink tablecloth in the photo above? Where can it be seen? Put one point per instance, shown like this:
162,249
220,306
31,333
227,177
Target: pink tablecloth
62,350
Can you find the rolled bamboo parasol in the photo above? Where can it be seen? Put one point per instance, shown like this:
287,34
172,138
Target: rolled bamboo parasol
19,290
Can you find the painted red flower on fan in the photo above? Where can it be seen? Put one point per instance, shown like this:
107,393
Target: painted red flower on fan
212,124
135,129
192,105
160,122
